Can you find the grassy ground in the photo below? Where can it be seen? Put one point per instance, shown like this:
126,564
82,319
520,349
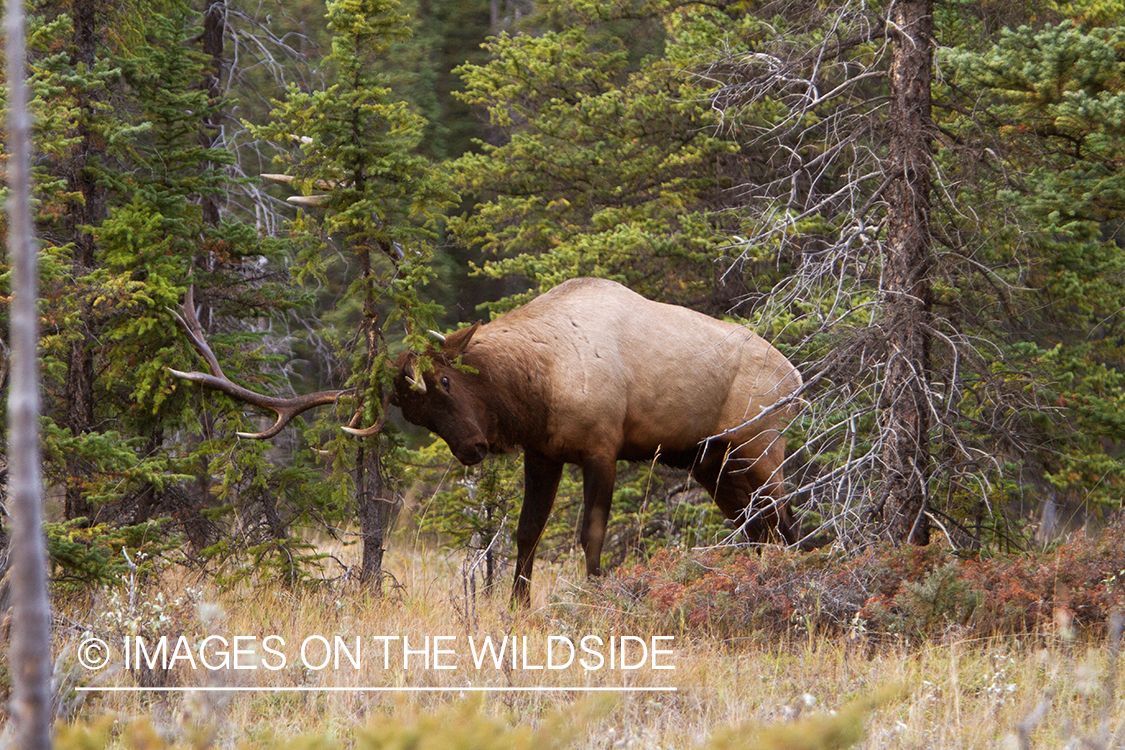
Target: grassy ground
955,691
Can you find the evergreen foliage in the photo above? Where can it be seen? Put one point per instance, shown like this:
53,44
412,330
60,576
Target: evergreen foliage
1055,90
725,157
120,176
612,166
776,189
356,140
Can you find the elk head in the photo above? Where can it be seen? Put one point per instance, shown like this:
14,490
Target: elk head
435,391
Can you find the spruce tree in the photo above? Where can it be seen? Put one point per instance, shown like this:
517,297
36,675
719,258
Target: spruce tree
356,141
123,181
1053,99
611,164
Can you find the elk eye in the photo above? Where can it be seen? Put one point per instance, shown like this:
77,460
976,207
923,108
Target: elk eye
445,384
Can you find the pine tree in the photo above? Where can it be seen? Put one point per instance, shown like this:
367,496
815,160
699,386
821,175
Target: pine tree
611,164
358,142
908,299
90,447
1054,99
123,183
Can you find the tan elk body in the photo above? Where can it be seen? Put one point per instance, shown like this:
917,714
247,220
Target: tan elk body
590,373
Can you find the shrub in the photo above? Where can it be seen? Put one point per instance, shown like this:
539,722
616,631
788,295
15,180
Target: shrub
883,592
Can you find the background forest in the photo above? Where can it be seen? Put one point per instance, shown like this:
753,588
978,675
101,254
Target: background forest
951,291
246,210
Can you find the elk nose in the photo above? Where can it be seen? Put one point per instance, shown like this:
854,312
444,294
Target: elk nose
473,454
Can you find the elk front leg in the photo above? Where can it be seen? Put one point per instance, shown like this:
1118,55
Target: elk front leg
541,483
598,476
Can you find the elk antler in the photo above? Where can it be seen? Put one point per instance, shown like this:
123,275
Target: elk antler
285,408
371,431
311,201
392,249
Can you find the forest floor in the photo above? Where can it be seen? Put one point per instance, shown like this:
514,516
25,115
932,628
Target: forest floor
587,667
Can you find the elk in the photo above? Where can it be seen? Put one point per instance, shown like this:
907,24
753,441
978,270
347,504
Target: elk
590,373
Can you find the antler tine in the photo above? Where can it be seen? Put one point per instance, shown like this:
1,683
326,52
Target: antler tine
365,432
310,201
285,408
288,179
190,322
374,429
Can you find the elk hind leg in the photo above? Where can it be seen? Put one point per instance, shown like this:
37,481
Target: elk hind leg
598,476
748,485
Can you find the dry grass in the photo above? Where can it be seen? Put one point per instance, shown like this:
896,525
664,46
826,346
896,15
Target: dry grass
740,692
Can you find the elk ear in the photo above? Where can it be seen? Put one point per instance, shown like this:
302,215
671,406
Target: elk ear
455,343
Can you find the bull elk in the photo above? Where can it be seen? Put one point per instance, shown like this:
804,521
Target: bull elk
591,373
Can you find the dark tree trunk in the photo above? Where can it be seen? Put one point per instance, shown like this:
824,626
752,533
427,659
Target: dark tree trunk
79,393
214,26
89,211
373,499
905,399
374,514
30,652
147,500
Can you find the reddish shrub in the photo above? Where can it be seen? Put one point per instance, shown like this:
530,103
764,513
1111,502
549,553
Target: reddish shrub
906,592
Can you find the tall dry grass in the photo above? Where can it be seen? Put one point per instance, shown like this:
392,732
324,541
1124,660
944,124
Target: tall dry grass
805,690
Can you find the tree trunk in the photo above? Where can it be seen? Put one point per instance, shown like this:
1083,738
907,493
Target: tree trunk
374,505
79,391
30,656
88,212
905,400
374,515
214,26
214,29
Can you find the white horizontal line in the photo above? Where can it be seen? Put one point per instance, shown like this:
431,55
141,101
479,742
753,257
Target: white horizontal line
334,689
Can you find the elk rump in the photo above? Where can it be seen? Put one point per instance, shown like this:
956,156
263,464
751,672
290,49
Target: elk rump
590,373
